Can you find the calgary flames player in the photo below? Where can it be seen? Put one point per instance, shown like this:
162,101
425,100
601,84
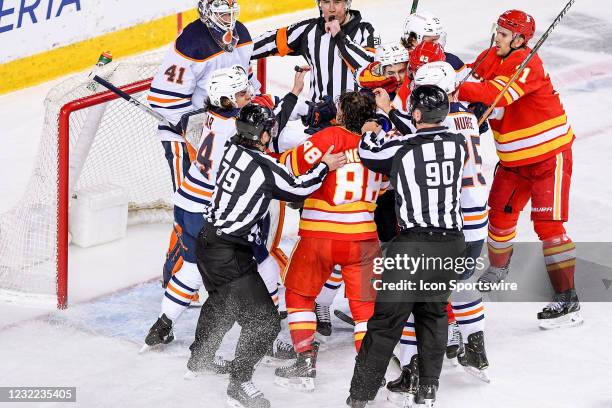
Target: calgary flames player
534,141
336,228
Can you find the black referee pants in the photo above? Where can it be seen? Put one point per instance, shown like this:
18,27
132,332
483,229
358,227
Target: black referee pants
236,294
392,310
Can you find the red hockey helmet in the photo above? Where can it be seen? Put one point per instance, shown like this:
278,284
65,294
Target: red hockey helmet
518,22
425,52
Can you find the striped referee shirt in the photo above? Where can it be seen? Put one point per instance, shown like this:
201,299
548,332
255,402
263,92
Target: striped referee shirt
247,180
333,60
426,171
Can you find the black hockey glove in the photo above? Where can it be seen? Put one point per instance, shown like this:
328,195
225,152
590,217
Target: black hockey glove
479,109
320,114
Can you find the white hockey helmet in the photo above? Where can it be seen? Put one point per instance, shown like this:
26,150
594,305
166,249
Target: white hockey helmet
212,12
424,24
439,73
227,82
391,53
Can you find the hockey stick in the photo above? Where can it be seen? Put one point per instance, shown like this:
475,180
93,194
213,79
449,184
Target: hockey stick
479,61
520,69
192,122
133,101
415,4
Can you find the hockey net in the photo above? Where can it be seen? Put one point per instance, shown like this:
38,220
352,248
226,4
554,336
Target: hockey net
89,138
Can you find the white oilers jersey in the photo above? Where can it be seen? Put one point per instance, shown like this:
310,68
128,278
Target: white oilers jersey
179,85
195,193
474,192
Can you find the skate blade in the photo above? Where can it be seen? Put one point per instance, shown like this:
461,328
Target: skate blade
570,320
480,374
270,361
453,362
234,403
146,348
298,384
426,404
401,399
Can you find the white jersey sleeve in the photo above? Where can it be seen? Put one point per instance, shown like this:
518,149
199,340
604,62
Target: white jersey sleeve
195,193
474,192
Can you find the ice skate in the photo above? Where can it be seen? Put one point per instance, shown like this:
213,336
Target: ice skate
197,367
454,346
474,358
493,274
402,391
301,374
353,403
426,396
245,395
563,311
324,327
159,334
279,352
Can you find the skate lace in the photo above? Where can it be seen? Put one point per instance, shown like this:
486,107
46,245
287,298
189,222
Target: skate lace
250,389
322,313
454,335
282,346
220,361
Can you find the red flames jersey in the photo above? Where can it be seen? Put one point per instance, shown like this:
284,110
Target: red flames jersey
343,208
532,125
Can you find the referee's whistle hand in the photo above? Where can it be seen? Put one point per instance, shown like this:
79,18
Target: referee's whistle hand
332,27
333,160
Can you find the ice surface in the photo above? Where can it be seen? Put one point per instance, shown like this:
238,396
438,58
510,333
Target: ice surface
94,344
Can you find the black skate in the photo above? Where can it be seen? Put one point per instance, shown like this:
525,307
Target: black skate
198,366
279,352
493,274
245,395
353,403
324,327
301,374
563,311
426,396
474,358
160,333
454,346
402,391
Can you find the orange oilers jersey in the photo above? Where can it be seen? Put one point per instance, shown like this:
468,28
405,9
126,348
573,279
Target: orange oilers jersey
343,208
533,124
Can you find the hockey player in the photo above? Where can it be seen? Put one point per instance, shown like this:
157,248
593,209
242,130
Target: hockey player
248,180
215,40
426,170
467,305
339,38
534,145
228,90
336,228
388,71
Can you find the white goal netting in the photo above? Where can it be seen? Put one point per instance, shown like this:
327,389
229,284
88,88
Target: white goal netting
110,143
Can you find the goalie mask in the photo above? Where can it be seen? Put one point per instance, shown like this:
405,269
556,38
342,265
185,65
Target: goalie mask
439,73
220,17
227,82
421,25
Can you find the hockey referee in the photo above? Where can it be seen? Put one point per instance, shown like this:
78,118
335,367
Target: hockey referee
247,180
426,172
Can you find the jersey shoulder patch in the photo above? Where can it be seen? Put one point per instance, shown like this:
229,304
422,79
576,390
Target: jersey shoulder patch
454,61
458,107
196,43
243,33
